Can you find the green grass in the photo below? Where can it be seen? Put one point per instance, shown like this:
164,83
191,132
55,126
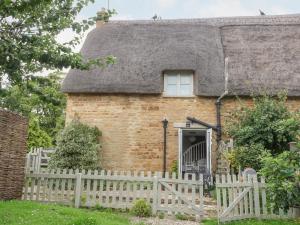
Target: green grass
255,222
32,213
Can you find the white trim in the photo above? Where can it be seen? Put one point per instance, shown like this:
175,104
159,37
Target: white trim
179,151
178,75
208,149
208,145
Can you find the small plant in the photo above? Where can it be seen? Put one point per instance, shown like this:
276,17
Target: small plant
141,208
174,167
180,216
161,215
99,207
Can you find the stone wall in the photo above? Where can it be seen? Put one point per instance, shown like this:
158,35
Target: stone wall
13,137
132,129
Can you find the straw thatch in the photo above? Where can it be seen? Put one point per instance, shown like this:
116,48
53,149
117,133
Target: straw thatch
264,54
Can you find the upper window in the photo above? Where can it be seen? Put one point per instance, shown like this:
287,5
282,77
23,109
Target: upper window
178,84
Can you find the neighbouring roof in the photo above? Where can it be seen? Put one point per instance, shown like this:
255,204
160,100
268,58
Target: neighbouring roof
263,52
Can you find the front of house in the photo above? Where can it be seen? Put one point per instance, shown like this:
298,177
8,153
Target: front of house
174,70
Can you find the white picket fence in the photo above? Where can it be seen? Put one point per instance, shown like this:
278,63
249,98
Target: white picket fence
242,197
38,158
119,190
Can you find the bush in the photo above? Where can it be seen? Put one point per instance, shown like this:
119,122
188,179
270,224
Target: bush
161,215
141,208
180,216
246,156
77,147
268,123
283,179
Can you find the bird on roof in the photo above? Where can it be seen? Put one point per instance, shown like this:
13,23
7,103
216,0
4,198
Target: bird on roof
262,13
155,17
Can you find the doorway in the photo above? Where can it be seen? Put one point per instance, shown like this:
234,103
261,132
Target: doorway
194,151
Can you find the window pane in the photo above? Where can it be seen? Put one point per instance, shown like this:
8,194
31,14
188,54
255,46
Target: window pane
172,79
171,89
185,79
185,89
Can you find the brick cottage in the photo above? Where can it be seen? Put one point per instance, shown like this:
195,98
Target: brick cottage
179,70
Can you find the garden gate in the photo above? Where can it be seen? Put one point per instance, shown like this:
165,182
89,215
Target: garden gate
243,197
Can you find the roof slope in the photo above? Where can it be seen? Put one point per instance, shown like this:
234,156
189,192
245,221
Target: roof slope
264,53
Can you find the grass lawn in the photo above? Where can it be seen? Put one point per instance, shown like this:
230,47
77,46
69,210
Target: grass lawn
255,222
32,213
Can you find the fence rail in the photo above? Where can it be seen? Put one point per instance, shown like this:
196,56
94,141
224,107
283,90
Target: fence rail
242,197
117,189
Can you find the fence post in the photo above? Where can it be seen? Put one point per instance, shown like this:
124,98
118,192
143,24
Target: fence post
155,192
78,190
256,197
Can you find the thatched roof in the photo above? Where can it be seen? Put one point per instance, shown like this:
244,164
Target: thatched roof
264,54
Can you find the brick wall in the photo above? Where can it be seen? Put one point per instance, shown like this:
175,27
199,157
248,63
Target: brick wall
13,136
132,129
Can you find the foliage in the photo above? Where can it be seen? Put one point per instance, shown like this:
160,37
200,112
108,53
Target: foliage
268,122
268,126
141,208
180,216
33,213
161,215
77,147
174,167
28,31
283,179
36,136
40,99
246,156
252,222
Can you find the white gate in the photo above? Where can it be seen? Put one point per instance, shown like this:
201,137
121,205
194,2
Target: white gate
243,197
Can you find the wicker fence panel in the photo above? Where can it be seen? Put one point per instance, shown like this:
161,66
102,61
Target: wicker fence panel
13,137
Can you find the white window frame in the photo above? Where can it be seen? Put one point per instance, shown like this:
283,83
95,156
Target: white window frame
178,74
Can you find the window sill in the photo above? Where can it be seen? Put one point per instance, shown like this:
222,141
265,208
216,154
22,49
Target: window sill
178,96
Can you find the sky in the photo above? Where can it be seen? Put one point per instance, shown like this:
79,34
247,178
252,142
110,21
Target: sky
176,9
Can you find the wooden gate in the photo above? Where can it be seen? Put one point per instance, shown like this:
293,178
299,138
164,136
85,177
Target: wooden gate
243,197
180,195
240,197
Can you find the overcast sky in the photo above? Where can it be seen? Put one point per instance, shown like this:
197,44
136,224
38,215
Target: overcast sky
174,9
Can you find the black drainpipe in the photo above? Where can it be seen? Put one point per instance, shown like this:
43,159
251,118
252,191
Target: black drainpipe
219,104
165,126
218,110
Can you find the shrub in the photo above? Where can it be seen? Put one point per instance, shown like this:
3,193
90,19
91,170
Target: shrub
246,156
141,208
180,216
77,147
283,179
161,215
268,123
268,126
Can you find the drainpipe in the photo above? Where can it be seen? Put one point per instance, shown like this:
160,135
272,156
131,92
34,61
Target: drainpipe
219,104
165,126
